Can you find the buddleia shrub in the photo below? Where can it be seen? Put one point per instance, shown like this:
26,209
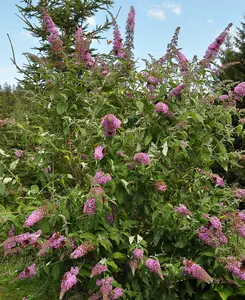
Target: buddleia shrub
109,184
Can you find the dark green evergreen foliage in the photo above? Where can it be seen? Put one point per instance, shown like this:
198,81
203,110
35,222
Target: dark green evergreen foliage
67,15
234,52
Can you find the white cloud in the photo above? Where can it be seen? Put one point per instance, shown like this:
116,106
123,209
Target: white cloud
156,13
174,8
91,21
211,21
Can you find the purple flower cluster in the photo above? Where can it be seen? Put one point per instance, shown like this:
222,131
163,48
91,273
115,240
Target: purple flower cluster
105,285
240,89
95,296
130,24
68,281
19,153
111,218
141,159
110,123
238,223
11,231
196,271
16,242
217,179
56,241
117,42
99,152
154,266
98,269
106,291
239,193
212,234
176,91
182,210
223,98
213,48
28,272
161,108
116,293
138,253
53,38
82,250
82,49
160,186
101,178
152,82
183,62
35,217
89,207
236,267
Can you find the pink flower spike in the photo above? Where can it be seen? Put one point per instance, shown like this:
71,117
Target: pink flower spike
99,152
110,123
161,108
105,285
129,43
154,266
116,293
160,186
176,91
97,270
35,216
182,210
101,178
68,281
196,271
240,89
89,207
138,253
142,159
82,250
28,272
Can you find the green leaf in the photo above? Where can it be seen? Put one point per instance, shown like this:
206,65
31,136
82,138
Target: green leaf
239,129
148,139
224,292
34,189
55,271
163,90
2,188
140,106
119,256
14,164
61,107
112,264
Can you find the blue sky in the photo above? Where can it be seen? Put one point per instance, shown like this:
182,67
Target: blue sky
200,21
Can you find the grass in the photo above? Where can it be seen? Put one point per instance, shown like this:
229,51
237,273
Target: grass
33,288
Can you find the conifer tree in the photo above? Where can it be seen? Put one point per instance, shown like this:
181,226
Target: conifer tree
67,16
233,55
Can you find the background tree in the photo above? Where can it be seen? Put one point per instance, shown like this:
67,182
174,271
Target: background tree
67,15
234,51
